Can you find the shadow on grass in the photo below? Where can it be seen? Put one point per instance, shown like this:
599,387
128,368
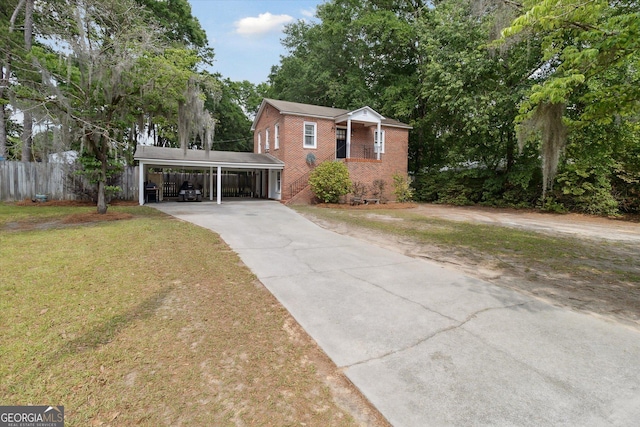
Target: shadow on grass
106,331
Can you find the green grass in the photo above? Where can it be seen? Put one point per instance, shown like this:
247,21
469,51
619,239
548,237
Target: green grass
148,321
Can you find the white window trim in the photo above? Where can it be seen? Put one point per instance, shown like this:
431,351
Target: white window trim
259,142
276,140
278,182
266,140
315,135
377,146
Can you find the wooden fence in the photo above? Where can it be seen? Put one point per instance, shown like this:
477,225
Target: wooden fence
20,180
24,180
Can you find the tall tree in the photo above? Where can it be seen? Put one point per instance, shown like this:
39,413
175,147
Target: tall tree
114,71
8,15
27,128
472,92
592,54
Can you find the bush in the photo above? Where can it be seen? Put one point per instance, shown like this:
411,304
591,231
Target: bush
359,189
329,181
587,189
401,189
377,190
83,178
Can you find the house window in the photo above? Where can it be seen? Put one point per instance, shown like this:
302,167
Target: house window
278,181
276,138
266,140
378,144
310,135
259,142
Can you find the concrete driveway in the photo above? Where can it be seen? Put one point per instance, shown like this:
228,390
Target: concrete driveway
427,345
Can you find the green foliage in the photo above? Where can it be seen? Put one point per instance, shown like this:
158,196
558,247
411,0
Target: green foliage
329,181
588,189
178,24
518,187
402,188
233,127
584,42
91,169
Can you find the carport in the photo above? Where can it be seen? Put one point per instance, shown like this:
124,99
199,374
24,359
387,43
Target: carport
208,161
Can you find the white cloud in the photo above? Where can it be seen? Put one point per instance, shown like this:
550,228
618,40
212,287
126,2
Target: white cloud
264,23
309,13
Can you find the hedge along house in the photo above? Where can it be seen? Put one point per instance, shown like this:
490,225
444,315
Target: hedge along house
303,136
210,167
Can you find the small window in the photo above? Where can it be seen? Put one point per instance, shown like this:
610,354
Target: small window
378,143
278,181
276,138
259,142
266,140
310,135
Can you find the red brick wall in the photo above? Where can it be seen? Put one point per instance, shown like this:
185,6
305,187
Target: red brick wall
294,155
392,161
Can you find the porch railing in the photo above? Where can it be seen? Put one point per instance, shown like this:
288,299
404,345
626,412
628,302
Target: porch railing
362,153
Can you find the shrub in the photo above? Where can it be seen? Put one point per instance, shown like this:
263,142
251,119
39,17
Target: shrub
359,189
587,188
401,188
329,181
377,190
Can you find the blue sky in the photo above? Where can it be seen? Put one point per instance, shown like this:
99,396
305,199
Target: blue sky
246,34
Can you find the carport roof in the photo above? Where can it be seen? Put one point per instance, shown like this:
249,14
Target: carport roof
177,157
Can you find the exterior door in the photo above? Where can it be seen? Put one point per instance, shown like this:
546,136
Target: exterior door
341,143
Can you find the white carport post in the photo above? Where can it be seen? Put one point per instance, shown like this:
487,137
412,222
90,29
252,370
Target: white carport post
378,143
349,138
141,184
211,184
219,185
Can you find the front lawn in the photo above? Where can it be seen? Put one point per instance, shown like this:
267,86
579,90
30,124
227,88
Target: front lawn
150,321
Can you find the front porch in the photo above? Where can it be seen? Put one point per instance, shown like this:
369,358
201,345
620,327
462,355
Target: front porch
359,135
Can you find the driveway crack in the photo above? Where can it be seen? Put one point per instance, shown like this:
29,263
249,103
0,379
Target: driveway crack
433,335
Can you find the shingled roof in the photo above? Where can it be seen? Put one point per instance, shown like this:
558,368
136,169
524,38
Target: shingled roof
201,158
308,110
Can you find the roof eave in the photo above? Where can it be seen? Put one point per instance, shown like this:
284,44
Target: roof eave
209,164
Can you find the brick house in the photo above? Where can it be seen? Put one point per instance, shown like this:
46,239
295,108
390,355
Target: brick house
302,136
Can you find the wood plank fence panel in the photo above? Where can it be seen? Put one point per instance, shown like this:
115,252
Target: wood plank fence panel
23,180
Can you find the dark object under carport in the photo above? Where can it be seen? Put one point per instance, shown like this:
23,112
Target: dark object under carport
151,192
189,193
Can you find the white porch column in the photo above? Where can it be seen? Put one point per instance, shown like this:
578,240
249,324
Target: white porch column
141,183
211,184
219,185
348,138
379,141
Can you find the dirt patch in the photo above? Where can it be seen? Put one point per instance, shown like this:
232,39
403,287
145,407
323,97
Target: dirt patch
372,206
587,288
95,217
72,203
624,228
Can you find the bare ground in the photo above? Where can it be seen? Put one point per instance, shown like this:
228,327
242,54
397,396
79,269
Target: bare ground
612,299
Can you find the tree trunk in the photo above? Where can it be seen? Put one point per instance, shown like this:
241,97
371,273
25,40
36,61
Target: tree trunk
102,197
5,75
27,137
102,201
4,83
511,148
3,130
27,133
